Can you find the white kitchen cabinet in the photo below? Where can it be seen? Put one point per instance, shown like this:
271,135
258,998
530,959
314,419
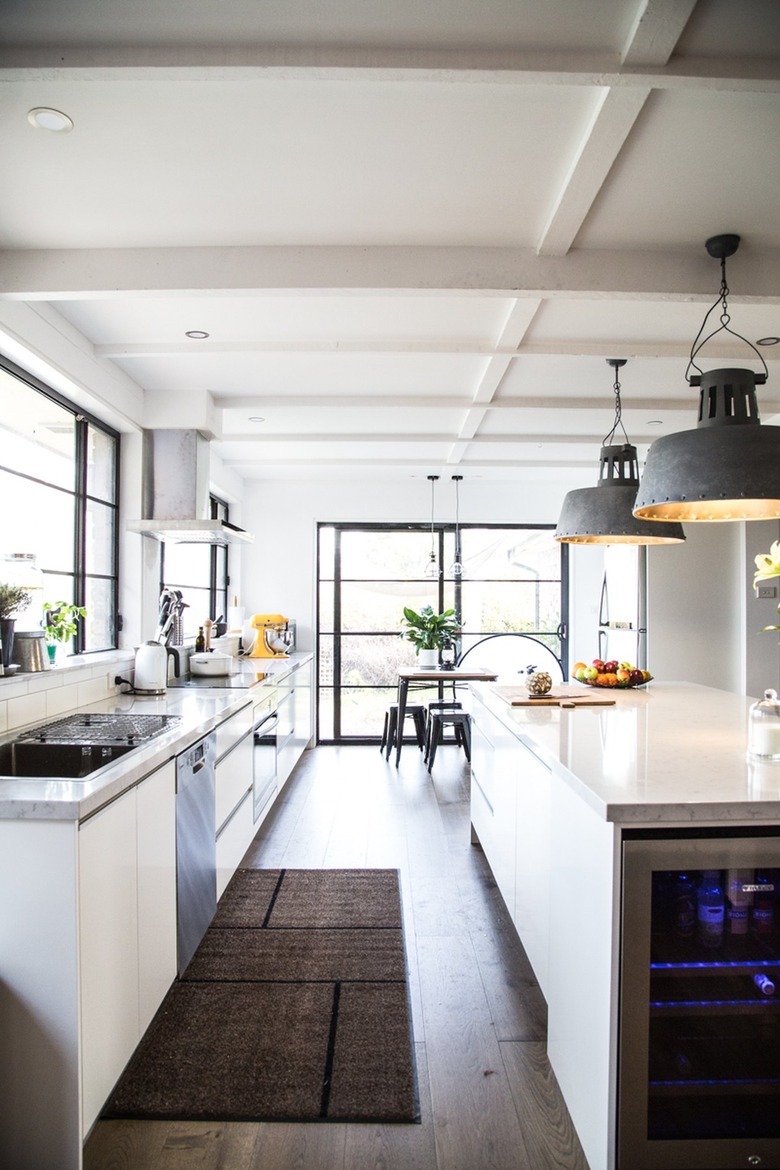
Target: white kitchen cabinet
233,841
108,952
234,764
127,928
533,864
494,775
294,730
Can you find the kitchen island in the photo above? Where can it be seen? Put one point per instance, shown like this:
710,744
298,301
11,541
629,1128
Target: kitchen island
585,816
88,918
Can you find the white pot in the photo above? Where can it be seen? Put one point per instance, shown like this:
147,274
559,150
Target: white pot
211,664
427,658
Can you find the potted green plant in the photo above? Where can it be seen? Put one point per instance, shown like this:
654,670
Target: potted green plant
429,632
60,624
13,599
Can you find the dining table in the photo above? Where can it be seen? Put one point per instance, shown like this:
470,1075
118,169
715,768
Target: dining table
408,676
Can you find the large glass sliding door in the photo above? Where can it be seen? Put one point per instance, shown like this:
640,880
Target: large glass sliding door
515,581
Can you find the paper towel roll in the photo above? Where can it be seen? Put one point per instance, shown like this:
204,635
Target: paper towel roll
235,618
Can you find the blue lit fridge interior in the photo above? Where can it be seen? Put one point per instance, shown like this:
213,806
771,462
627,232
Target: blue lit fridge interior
699,1045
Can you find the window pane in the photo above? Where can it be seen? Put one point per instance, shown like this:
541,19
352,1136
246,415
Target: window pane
363,711
42,523
374,661
99,538
379,605
326,606
515,554
101,465
99,622
393,554
326,544
492,607
37,435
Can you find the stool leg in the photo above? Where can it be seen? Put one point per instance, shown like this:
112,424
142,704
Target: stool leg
391,730
434,739
419,727
467,739
383,744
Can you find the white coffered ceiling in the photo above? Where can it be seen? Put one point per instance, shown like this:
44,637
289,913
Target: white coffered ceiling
413,233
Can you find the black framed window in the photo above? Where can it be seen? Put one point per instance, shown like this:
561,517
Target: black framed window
200,572
59,482
516,580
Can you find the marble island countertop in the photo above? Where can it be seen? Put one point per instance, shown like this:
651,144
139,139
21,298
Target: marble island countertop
671,753
199,710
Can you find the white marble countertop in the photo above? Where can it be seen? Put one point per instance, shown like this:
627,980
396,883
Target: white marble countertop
200,710
669,752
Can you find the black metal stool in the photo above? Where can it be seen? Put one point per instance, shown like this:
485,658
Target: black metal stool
415,711
459,721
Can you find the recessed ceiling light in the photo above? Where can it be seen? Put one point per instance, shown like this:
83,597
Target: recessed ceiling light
196,334
44,118
655,422
768,341
256,418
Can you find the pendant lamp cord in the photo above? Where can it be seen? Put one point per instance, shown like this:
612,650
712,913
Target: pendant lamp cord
607,440
725,321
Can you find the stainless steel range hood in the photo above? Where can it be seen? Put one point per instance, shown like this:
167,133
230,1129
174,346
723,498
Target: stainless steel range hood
176,492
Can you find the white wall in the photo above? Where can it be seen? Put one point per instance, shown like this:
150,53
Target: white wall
695,607
762,653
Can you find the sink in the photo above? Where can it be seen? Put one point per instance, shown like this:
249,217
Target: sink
76,746
67,761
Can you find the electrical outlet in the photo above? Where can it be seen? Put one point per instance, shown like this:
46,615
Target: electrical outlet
764,591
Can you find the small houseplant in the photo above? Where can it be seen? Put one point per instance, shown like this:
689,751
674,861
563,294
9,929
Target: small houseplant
429,632
13,599
60,618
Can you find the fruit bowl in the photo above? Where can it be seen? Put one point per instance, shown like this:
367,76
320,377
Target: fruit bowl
621,685
622,675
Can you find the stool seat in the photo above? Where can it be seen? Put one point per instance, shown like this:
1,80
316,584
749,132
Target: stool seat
460,721
415,711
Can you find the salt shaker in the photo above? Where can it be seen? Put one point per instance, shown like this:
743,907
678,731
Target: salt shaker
764,729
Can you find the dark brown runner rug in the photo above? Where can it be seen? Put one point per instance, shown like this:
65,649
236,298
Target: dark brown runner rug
295,1007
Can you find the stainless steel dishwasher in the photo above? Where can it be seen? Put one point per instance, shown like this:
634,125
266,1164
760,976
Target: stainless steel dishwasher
196,863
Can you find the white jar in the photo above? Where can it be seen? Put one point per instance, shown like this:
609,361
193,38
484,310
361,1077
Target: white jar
764,729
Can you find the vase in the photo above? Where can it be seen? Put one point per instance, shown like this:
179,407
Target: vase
427,659
7,639
51,650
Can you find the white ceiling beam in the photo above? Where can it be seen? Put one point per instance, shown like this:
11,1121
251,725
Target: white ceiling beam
44,65
680,274
404,403
657,28
415,438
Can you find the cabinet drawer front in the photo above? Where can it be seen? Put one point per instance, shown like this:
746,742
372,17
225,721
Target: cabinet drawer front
233,778
233,729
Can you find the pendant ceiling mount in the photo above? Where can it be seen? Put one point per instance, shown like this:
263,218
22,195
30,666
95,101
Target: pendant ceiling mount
728,468
603,514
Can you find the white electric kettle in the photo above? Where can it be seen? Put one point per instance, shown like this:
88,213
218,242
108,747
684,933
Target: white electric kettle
151,668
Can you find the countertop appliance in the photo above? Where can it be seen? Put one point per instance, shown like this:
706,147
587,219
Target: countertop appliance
196,859
274,637
151,668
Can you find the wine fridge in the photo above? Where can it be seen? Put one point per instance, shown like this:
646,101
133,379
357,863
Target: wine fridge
699,1031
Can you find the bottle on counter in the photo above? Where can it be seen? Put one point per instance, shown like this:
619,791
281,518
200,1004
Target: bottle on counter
200,641
711,909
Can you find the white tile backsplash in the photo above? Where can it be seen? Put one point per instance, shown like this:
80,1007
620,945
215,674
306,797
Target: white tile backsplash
31,698
26,709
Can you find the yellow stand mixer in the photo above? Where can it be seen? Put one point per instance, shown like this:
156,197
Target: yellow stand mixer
272,638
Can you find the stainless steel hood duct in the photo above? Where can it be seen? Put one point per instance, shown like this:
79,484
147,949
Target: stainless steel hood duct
175,489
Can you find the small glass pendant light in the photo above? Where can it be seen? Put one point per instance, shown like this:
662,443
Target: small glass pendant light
457,565
432,569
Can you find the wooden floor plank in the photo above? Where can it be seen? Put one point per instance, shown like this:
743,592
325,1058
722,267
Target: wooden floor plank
396,1147
549,1134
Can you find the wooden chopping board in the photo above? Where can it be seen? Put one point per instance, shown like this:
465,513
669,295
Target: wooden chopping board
555,698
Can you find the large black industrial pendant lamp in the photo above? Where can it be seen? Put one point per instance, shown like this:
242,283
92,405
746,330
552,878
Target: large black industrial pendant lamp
602,514
728,468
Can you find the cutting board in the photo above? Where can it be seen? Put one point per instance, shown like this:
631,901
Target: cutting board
555,698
